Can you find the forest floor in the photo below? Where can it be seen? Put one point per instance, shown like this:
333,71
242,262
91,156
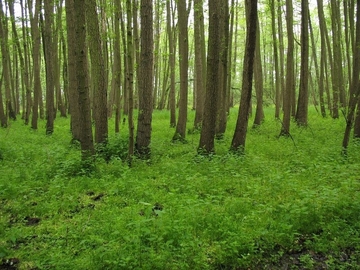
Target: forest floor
288,203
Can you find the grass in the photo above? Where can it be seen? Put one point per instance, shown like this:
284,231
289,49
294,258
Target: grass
286,204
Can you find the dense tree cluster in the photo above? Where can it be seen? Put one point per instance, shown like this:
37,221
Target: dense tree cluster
90,61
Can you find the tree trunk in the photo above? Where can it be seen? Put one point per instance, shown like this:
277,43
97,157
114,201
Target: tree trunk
302,108
36,64
169,29
239,138
130,80
290,80
23,63
184,64
146,75
259,83
48,47
116,70
200,70
86,137
206,145
73,84
222,107
354,86
98,73
276,60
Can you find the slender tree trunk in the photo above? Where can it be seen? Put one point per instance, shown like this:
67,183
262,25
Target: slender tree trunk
290,81
206,145
337,74
222,106
57,60
172,56
86,137
354,86
199,40
281,52
239,138
36,64
5,65
117,68
130,80
302,108
184,64
98,74
259,83
276,60
73,84
146,75
48,47
23,62
3,120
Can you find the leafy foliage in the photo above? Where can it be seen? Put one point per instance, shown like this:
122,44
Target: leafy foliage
282,203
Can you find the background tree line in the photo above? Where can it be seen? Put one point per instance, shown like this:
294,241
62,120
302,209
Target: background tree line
107,58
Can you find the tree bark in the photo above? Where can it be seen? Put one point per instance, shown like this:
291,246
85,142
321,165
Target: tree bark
290,80
354,86
302,107
172,56
146,75
184,64
86,137
206,144
239,138
48,48
36,64
98,73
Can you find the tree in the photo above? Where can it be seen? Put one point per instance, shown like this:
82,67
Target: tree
302,108
354,86
98,73
290,80
116,70
36,64
146,71
86,137
184,64
239,138
200,62
172,57
337,70
130,79
72,77
276,59
259,83
5,57
222,106
24,65
48,47
206,145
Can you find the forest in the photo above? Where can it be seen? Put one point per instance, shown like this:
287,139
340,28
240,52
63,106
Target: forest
174,134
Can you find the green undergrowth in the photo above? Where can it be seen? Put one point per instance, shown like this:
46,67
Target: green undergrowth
288,203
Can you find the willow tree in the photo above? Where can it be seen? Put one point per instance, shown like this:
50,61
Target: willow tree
239,138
